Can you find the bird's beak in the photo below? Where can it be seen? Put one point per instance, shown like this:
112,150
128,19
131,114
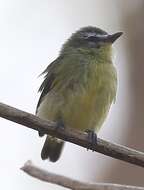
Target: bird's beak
113,37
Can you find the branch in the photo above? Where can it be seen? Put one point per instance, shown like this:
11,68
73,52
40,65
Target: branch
43,175
71,135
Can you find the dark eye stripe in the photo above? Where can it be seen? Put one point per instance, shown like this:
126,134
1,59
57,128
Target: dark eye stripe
93,39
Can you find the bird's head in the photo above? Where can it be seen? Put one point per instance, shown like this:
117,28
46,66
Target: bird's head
91,38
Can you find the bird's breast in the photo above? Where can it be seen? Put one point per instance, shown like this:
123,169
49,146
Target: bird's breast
87,102
82,97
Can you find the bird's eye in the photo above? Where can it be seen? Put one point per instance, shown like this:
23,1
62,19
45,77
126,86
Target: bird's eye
95,41
85,36
92,38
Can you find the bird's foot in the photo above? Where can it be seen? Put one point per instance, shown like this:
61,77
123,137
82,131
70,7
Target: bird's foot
92,138
41,133
60,125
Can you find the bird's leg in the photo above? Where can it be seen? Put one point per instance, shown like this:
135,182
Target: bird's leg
60,124
92,138
41,134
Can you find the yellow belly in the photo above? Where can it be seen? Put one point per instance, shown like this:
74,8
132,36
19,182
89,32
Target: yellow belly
86,112
84,107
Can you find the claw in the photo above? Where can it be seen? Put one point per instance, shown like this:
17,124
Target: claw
41,134
60,125
92,138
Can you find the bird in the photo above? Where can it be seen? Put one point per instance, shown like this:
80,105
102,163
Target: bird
79,86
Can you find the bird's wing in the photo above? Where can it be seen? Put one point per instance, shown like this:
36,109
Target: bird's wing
50,74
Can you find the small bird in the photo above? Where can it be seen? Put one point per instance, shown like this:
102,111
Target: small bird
79,86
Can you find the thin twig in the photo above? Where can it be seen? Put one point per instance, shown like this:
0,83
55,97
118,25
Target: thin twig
49,177
71,135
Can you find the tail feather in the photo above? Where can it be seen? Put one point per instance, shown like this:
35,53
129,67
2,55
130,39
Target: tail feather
52,149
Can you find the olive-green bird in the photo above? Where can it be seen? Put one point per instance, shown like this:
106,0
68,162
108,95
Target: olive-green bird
79,86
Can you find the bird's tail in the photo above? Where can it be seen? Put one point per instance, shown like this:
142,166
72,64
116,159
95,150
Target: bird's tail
52,149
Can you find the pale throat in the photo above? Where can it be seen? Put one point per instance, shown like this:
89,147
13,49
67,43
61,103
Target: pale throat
104,55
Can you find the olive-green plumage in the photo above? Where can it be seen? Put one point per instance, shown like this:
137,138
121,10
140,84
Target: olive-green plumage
79,85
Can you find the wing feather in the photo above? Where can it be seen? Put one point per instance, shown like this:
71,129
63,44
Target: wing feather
50,75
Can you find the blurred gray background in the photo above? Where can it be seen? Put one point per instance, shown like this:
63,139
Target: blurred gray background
31,34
